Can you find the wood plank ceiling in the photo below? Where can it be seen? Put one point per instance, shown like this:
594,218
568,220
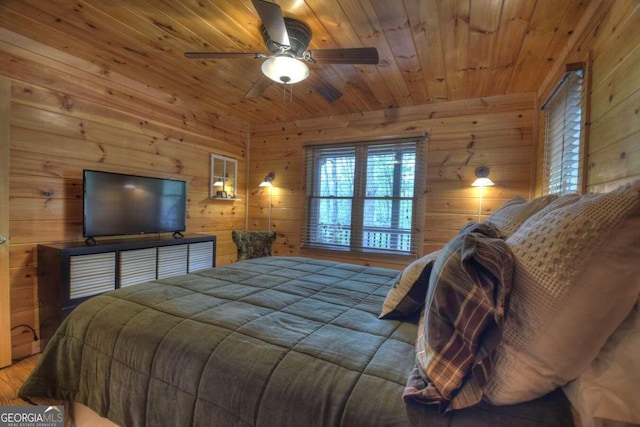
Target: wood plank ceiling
430,50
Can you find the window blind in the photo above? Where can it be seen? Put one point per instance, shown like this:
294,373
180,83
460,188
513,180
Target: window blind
563,137
361,197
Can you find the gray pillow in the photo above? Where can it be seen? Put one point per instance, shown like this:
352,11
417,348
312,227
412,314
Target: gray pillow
407,295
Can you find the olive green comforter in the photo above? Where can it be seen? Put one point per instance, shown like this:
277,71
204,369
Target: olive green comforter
267,342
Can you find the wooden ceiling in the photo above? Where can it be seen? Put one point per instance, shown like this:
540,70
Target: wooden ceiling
430,50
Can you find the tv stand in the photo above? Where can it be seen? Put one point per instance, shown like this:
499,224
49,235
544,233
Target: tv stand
70,273
90,241
177,235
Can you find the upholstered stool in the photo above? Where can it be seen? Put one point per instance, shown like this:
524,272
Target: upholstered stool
253,244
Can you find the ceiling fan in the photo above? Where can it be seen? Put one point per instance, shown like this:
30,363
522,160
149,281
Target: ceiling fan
287,39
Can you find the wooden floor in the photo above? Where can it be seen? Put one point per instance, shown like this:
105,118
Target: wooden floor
12,377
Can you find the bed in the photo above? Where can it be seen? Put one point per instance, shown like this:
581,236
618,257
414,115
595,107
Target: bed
272,341
290,341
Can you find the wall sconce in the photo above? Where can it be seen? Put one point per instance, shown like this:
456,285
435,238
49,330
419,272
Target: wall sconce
482,180
267,183
267,180
482,177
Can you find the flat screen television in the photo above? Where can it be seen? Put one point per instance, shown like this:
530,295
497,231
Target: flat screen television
118,204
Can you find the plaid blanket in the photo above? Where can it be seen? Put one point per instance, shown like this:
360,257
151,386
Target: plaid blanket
462,322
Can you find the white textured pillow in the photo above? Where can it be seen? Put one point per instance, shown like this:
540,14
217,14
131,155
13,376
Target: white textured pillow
610,387
510,216
576,277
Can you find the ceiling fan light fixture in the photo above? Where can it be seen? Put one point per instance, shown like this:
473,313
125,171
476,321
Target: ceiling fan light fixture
284,69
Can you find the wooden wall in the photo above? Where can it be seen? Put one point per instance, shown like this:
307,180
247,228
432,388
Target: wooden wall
608,39
497,132
5,293
67,115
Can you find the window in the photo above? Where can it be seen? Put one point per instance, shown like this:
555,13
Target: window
223,179
362,197
563,137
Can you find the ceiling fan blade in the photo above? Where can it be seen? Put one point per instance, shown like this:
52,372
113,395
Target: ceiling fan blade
355,55
217,55
273,21
323,87
258,87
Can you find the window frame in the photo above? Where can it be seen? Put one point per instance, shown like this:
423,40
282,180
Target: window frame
357,227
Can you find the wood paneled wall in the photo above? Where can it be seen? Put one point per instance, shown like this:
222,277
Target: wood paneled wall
610,39
497,132
5,293
67,115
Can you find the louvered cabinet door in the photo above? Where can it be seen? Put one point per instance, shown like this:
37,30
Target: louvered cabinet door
200,256
172,260
137,266
91,274
66,279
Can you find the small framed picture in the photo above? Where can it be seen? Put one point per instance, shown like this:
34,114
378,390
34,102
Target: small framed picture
221,194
